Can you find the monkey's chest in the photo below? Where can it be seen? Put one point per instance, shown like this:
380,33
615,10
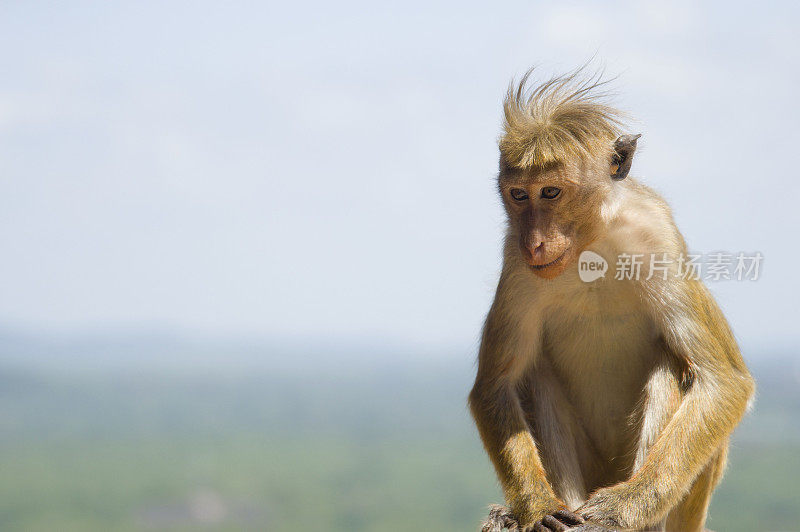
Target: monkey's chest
602,361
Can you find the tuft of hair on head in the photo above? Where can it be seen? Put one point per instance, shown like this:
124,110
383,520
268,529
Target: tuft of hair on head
562,118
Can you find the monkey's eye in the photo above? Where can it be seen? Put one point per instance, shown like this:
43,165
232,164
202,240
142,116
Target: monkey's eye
519,194
550,192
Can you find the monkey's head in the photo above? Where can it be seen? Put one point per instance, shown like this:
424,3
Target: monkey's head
560,158
554,211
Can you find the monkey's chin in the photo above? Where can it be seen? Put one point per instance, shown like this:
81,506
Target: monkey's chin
550,272
553,269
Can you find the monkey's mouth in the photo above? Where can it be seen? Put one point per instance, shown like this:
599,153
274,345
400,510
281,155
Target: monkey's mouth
551,263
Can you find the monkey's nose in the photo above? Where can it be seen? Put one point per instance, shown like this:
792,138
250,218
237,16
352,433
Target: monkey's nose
534,253
536,249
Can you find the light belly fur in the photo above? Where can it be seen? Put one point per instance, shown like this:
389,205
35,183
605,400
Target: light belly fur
614,357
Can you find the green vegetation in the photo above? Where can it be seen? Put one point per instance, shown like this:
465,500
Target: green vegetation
384,449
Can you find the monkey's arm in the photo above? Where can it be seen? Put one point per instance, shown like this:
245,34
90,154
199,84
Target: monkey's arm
694,329
511,447
507,347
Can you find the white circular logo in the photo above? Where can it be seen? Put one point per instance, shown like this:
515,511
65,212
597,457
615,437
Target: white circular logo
591,266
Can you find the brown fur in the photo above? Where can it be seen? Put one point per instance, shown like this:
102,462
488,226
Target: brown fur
614,399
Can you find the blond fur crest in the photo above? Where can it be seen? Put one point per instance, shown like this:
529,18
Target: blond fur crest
562,118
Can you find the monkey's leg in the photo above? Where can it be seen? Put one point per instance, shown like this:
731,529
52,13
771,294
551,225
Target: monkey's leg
564,446
659,402
690,440
690,514
661,398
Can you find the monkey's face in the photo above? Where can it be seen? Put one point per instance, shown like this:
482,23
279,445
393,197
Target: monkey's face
552,215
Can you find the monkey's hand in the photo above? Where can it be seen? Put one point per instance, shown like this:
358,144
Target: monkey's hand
620,507
500,518
557,520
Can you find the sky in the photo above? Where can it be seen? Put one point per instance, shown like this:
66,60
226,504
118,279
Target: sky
326,170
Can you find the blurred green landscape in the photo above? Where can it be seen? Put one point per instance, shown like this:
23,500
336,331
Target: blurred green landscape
161,434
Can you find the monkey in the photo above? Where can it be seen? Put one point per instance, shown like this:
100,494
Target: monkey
604,404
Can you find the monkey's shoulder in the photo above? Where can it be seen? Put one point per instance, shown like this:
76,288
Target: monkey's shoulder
644,224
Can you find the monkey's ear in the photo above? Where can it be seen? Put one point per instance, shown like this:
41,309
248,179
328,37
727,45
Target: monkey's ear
622,158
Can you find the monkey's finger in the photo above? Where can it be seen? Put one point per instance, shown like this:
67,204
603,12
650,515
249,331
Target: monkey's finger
539,527
491,526
570,518
499,518
554,524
